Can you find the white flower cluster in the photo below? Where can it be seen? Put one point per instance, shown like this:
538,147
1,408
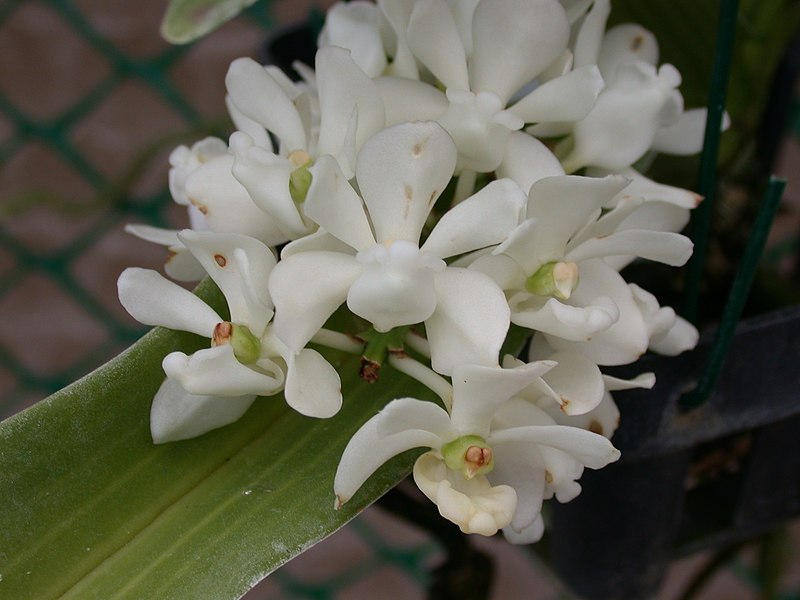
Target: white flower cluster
405,177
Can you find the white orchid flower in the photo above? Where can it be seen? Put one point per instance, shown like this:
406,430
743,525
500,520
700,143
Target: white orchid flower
553,270
245,359
350,110
640,109
376,263
669,334
184,161
461,47
484,473
603,419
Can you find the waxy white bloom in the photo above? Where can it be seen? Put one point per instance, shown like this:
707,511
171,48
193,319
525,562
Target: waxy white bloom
481,74
490,456
184,161
370,257
214,386
640,109
349,111
553,270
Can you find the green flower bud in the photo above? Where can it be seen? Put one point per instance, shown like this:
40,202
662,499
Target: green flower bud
300,178
246,346
557,279
470,455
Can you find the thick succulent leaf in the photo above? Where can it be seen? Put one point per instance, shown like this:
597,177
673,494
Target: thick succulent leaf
93,509
187,20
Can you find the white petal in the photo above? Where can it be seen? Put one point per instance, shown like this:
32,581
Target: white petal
335,206
178,415
397,14
475,505
463,12
685,136
354,25
181,265
153,300
590,35
520,467
650,190
661,246
156,235
566,98
568,202
319,241
434,39
626,43
408,413
575,323
623,123
265,177
344,87
410,100
470,322
602,420
527,160
624,341
248,126
367,450
682,336
513,41
484,219
502,269
401,171
577,381
313,387
307,288
562,473
226,204
479,391
216,372
527,535
592,450
396,285
261,98
643,380
240,266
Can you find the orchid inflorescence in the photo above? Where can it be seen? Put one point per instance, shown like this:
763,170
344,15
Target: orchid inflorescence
405,177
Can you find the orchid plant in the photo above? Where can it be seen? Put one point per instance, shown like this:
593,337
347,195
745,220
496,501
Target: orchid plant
349,172
449,181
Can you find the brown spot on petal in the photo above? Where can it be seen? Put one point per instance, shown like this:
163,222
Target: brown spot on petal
595,427
201,207
637,42
419,148
564,402
408,191
432,199
548,476
220,260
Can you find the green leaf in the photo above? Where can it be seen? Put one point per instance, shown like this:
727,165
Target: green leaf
92,509
188,20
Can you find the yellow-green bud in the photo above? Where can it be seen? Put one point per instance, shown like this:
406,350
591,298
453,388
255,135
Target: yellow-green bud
469,454
300,178
557,279
246,346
